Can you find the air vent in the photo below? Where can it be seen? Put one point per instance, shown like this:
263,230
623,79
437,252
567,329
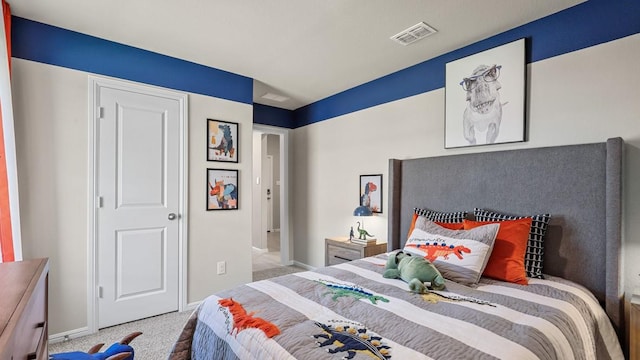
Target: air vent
413,34
275,97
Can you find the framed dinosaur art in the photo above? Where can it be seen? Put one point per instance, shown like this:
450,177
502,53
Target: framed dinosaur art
485,97
222,141
371,192
222,189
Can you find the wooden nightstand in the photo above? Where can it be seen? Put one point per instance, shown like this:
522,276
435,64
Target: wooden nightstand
634,328
339,249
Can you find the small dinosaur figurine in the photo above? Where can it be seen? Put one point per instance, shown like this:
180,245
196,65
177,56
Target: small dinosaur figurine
363,233
118,351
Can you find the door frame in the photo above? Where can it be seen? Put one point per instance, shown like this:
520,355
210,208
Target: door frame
271,184
95,83
286,245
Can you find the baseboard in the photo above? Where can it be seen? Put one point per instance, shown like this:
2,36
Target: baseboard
192,306
68,335
260,250
303,265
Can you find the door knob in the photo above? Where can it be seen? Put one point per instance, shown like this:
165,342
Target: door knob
172,216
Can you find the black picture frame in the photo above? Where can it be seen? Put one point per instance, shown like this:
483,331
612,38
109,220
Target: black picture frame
222,189
485,97
222,141
371,192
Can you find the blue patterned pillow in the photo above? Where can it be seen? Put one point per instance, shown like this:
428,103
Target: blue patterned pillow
534,255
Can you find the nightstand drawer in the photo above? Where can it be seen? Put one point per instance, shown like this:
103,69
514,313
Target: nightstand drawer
339,250
338,255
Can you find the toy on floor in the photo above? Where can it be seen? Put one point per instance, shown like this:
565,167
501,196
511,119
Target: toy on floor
118,351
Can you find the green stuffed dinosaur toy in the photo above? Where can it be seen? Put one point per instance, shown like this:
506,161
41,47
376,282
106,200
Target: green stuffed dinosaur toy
414,270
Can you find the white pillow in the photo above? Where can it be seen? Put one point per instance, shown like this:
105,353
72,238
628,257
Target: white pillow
460,255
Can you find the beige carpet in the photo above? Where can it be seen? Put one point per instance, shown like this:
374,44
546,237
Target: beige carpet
158,332
273,272
158,335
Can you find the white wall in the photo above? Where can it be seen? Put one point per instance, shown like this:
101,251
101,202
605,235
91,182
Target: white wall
581,97
50,107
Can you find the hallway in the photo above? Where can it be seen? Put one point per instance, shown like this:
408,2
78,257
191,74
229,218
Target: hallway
263,260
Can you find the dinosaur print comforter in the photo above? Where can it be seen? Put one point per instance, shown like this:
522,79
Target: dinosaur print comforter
350,311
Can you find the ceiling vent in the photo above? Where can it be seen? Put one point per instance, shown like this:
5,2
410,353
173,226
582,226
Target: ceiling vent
413,34
275,97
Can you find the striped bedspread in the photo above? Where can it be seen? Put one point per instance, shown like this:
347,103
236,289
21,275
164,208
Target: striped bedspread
350,311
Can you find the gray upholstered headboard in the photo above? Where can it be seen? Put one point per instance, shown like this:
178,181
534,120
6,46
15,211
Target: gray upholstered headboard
579,185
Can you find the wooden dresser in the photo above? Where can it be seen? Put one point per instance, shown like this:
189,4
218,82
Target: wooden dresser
23,310
634,328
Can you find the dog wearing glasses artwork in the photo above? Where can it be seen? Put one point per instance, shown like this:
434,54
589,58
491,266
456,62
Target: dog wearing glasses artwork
483,114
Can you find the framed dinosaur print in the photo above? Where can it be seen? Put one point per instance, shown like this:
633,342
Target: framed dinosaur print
222,141
222,189
371,192
485,97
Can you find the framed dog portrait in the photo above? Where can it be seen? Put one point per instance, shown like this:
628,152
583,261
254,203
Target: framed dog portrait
222,189
485,97
222,141
371,192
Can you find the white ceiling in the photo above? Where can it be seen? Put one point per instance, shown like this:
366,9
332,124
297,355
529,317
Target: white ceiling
303,49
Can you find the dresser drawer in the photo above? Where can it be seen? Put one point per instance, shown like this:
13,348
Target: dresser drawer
31,332
338,255
23,310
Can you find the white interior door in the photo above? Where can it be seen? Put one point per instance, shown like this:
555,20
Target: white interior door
137,222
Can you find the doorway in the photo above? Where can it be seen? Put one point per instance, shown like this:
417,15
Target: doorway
137,202
270,233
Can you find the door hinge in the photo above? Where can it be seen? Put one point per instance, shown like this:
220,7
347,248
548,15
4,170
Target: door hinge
100,112
99,202
99,292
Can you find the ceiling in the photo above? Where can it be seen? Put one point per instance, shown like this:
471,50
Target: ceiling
305,50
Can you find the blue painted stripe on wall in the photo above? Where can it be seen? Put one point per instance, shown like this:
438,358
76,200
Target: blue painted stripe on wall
56,46
269,115
584,25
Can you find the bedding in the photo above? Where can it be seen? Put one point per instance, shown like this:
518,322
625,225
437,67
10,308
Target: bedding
454,217
451,220
535,247
350,311
507,257
460,255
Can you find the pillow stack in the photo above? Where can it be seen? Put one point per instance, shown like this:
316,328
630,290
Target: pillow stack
535,242
460,255
503,247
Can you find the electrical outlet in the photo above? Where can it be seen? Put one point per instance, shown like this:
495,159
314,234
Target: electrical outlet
222,267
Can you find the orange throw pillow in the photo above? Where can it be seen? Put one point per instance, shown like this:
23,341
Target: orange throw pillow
507,258
450,226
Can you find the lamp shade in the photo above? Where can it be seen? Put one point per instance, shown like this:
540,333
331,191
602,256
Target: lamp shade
362,211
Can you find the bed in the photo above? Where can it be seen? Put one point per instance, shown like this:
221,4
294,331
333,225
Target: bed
573,311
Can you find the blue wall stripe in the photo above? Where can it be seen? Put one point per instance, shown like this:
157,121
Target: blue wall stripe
269,115
56,46
584,25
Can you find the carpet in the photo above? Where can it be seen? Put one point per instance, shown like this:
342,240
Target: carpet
158,335
158,332
279,271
